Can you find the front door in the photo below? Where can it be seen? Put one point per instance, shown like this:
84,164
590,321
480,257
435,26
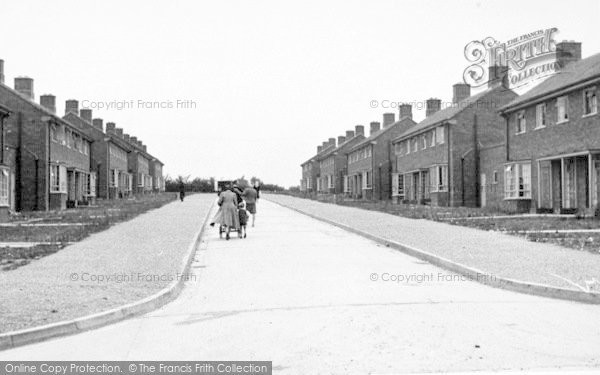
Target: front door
482,190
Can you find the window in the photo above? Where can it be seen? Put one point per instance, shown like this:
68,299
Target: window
494,177
562,106
86,148
415,144
346,184
517,181
369,152
424,140
439,135
4,187
398,185
438,178
53,135
141,180
114,178
433,138
407,146
58,178
91,184
521,122
401,186
590,104
540,116
330,181
69,137
367,180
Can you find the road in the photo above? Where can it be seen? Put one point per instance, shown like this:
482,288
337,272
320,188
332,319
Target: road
300,293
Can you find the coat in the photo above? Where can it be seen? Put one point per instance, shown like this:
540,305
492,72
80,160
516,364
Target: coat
227,214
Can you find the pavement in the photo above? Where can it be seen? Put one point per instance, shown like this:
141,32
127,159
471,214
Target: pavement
315,299
128,262
498,254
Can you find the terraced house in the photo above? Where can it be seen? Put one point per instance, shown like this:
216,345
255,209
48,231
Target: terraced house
437,161
310,183
156,171
334,163
139,166
369,161
51,156
552,159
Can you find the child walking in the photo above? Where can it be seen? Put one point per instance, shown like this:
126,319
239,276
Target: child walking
243,216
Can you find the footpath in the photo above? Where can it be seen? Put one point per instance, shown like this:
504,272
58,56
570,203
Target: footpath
128,262
495,255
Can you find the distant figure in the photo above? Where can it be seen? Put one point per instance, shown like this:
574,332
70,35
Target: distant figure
250,196
181,190
257,188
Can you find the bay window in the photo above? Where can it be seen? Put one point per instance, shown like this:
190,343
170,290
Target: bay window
4,187
517,181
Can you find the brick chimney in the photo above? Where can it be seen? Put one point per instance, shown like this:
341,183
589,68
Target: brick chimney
24,86
349,134
110,127
359,130
48,101
405,111
496,75
388,119
332,142
72,105
126,137
86,114
1,71
568,51
319,149
460,91
145,148
98,123
374,127
119,132
341,139
433,105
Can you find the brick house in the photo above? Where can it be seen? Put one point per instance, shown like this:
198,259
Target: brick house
51,155
333,165
552,157
139,165
7,170
109,152
370,164
310,183
438,160
156,171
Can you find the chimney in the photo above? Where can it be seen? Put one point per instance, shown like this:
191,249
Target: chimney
496,75
72,105
405,111
374,127
126,137
568,51
460,91
1,71
24,85
144,148
110,127
332,142
139,143
349,134
48,101
341,139
319,149
388,119
359,130
119,132
133,140
86,114
98,123
433,105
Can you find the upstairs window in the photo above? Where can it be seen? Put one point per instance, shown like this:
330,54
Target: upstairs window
562,107
540,116
424,140
439,135
521,124
432,138
590,104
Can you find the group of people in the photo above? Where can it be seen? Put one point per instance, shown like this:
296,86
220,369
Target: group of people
235,206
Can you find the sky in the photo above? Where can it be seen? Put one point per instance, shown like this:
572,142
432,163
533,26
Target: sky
230,88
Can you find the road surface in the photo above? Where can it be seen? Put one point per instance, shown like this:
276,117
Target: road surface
315,299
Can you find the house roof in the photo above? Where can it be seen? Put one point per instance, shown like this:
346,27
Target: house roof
380,132
447,113
319,155
340,146
45,111
574,73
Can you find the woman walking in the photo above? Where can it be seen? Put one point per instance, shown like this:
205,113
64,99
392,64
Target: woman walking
227,215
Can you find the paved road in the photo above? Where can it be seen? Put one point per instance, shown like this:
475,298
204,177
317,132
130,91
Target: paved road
299,292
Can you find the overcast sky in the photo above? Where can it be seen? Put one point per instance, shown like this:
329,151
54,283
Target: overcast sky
270,79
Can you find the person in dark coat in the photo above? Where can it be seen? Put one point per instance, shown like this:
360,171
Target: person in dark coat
181,190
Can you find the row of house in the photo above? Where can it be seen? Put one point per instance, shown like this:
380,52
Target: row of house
49,162
534,152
